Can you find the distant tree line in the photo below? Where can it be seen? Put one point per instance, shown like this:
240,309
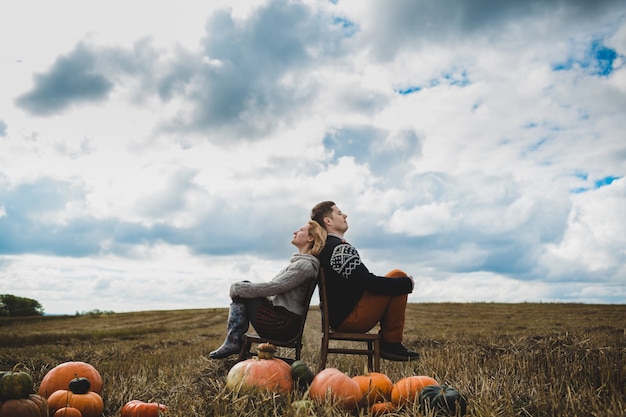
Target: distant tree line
13,306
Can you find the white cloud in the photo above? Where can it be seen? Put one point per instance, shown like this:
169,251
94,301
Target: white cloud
486,156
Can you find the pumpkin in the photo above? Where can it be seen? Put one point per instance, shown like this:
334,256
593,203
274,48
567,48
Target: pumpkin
385,407
32,406
136,408
67,412
407,390
269,374
90,403
442,399
59,377
15,385
375,386
336,387
301,373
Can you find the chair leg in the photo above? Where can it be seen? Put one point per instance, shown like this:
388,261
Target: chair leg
323,353
370,359
376,355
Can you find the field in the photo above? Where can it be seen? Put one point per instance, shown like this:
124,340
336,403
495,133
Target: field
507,359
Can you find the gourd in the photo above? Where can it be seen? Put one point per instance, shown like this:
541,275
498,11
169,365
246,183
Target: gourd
332,385
59,377
407,390
15,385
90,403
67,411
442,399
31,406
269,374
136,408
375,386
301,373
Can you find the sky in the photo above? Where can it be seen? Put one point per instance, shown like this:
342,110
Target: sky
152,153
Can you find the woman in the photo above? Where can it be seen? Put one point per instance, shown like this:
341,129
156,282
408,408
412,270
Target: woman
274,308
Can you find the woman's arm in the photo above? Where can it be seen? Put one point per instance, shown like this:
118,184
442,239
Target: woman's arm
297,273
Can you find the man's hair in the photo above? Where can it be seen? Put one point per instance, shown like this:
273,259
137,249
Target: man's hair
319,237
321,210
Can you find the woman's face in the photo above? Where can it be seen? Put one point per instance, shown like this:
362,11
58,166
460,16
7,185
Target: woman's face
301,237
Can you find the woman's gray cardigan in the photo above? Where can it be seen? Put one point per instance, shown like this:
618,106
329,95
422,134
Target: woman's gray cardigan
288,288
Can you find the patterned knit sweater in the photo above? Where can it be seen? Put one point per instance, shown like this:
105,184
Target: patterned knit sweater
288,288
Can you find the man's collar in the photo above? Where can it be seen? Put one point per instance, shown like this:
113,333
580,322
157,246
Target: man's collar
337,236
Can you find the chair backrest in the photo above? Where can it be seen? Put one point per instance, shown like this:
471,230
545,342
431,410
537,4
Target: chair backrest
323,294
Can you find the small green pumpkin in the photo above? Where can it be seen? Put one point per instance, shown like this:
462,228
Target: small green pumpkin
15,385
442,399
301,373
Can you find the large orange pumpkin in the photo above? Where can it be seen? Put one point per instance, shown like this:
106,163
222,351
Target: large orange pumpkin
33,406
336,387
269,374
90,404
136,408
59,377
375,386
408,389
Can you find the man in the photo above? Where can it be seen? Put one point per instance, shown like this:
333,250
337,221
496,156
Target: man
358,299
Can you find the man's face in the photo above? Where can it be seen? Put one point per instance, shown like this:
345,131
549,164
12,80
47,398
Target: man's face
337,222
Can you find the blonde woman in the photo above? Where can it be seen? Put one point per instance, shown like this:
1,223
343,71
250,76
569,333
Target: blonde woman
274,308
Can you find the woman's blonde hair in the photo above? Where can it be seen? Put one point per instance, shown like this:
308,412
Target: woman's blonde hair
319,237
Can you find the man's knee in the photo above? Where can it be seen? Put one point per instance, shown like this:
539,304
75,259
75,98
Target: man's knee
396,273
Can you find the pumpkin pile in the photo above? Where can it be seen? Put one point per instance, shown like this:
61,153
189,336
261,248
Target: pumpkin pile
17,396
73,389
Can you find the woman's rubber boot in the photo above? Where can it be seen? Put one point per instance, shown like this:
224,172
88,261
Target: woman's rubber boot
237,326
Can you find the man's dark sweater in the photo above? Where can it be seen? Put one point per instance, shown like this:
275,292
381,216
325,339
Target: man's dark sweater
347,278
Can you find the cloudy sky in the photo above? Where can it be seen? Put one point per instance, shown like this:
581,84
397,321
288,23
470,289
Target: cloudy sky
151,153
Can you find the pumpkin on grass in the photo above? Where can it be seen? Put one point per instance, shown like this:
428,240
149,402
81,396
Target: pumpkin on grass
407,390
31,406
268,374
136,408
332,385
382,408
375,386
59,377
442,399
90,403
15,385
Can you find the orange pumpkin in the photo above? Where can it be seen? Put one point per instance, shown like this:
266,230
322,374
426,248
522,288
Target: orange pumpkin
67,412
136,408
90,404
33,406
59,377
375,386
408,389
382,408
268,374
336,387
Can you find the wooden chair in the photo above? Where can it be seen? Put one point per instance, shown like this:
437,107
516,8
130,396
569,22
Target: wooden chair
371,339
293,343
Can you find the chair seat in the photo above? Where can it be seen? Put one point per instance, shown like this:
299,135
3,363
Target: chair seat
371,339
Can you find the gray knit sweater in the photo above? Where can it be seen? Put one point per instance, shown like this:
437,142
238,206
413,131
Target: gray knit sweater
288,288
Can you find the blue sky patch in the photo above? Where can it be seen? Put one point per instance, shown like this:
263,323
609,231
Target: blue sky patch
597,60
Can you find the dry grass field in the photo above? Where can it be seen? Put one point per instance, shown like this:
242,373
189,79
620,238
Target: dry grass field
507,359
